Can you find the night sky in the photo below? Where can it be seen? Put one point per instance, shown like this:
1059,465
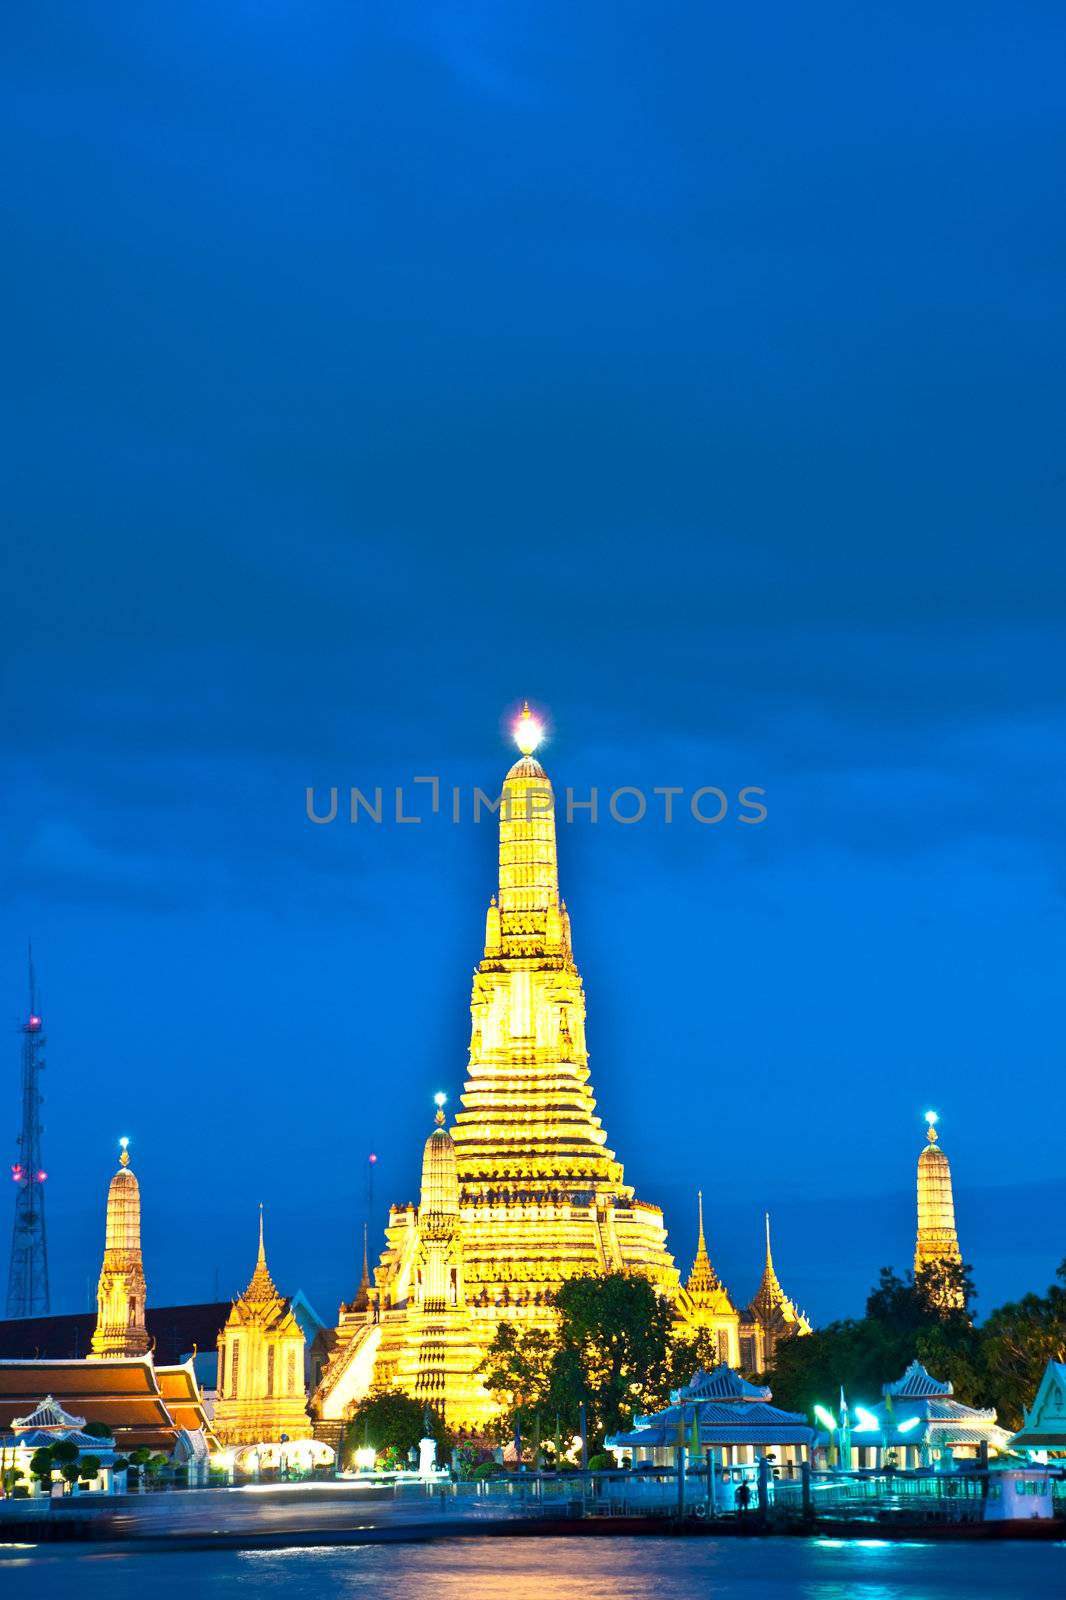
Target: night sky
698,374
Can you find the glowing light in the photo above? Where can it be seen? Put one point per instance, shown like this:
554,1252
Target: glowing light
932,1118
439,1099
17,1174
124,1143
528,732
41,1176
826,1418
868,1423
372,1158
911,1422
35,1022
365,1457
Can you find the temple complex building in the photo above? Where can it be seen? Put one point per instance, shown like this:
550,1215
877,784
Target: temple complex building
770,1318
703,1302
522,1192
746,1339
937,1243
261,1391
121,1293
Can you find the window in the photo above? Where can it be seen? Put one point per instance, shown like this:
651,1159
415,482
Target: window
234,1367
290,1371
270,1369
222,1370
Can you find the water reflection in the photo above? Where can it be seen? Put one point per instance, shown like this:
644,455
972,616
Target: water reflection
553,1569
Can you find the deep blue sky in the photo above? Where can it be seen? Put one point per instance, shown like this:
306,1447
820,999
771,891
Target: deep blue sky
698,374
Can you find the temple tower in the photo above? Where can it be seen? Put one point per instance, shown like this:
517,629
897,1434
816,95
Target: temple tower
937,1243
542,1197
770,1318
121,1293
523,1192
704,1301
261,1390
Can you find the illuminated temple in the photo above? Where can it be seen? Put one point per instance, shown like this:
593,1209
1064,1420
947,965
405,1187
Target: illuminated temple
936,1243
522,1192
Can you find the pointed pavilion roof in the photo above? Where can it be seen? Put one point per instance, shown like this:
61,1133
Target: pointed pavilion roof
723,1384
703,1286
917,1384
261,1284
770,1303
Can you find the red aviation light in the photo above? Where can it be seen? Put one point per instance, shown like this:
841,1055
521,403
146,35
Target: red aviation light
33,1025
41,1176
17,1173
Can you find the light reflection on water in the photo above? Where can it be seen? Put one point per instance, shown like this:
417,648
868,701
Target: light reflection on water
556,1569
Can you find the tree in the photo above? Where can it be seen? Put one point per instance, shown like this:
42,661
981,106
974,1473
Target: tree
389,1419
1017,1342
520,1373
614,1344
89,1468
42,1465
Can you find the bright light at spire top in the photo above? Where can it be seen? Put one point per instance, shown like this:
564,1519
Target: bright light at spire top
931,1117
528,731
439,1098
124,1142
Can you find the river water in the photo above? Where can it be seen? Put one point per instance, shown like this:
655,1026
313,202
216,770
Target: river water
503,1568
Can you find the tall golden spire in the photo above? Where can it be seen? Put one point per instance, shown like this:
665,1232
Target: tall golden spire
702,1280
936,1243
261,1284
121,1293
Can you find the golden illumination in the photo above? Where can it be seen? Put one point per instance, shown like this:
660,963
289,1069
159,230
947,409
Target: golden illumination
121,1292
261,1390
528,731
937,1243
538,1196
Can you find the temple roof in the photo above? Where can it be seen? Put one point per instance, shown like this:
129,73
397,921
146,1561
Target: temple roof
723,1384
703,1286
123,1392
770,1304
916,1383
1044,1425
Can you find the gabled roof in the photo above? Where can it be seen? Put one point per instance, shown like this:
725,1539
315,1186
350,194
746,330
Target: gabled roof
916,1383
1044,1426
723,1384
125,1394
48,1414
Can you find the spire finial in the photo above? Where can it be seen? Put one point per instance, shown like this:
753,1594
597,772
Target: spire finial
528,731
439,1100
932,1119
699,1202
769,1257
262,1250
124,1158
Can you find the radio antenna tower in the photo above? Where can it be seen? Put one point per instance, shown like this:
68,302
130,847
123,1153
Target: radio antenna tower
27,1284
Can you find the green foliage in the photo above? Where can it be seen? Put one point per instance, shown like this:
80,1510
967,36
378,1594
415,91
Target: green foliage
1017,1342
388,1418
42,1464
98,1430
998,1363
120,1464
89,1468
614,1347
65,1452
520,1372
603,1461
